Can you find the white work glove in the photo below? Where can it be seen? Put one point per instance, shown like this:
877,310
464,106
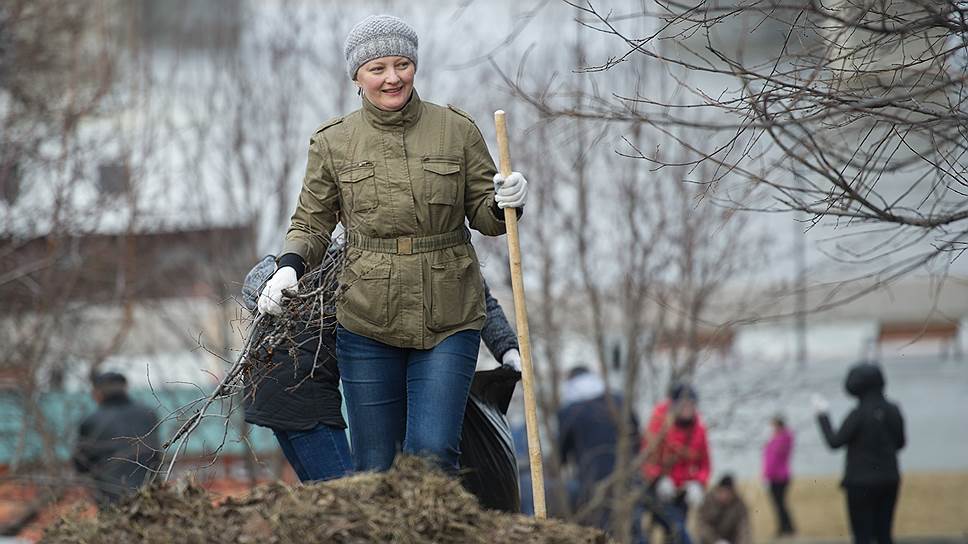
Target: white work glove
694,493
512,358
511,192
665,489
270,301
820,404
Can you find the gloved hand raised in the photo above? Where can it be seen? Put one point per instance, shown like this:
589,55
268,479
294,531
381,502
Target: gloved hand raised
270,301
694,493
511,192
820,404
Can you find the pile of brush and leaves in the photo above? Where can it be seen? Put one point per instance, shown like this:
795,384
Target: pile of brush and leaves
409,503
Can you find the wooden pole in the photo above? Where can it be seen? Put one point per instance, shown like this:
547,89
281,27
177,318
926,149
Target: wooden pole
521,321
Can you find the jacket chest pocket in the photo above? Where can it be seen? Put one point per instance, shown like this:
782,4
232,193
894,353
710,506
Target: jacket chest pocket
357,184
442,179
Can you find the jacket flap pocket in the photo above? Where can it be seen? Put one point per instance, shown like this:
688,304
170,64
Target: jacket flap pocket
378,272
452,267
442,168
357,172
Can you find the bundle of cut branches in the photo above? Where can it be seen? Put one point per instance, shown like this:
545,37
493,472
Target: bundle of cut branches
311,307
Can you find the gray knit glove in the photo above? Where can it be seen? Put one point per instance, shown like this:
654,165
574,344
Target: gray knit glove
255,280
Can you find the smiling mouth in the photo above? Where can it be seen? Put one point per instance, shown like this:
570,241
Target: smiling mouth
393,91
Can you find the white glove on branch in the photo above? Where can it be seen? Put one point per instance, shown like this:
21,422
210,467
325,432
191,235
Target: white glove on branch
694,493
512,358
511,192
820,404
665,489
270,301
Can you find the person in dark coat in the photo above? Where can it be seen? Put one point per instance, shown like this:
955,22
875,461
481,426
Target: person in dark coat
873,433
300,400
117,445
588,437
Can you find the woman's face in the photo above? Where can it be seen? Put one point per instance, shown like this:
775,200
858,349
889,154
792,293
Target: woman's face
387,82
685,409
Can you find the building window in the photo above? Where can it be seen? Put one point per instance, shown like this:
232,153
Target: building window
113,178
193,24
10,180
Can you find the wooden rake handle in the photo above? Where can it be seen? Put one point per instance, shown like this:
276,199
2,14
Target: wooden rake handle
521,322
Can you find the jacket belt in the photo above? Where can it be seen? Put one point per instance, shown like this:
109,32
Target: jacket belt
408,245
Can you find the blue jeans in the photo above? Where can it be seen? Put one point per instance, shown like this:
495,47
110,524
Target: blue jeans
406,399
673,520
321,453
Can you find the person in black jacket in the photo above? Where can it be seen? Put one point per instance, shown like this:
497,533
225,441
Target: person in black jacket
300,400
117,445
873,433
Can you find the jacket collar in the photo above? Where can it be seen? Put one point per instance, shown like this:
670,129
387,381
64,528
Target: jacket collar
116,399
390,120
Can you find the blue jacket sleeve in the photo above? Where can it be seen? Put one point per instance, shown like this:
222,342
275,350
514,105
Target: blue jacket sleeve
497,333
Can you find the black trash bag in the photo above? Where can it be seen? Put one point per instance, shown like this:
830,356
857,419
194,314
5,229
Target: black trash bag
489,468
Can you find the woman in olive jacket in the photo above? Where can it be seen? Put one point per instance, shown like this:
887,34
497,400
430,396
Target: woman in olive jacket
402,175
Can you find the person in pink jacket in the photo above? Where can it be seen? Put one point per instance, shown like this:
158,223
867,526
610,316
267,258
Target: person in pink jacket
776,471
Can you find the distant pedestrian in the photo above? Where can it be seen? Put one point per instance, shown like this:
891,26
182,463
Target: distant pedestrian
589,436
723,517
873,433
519,435
677,464
117,445
776,471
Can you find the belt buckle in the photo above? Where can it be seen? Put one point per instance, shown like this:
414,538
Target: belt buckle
405,246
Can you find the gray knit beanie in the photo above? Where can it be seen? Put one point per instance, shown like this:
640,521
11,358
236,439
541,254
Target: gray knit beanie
379,36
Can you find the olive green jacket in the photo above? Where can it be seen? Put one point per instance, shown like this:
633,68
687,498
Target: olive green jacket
415,172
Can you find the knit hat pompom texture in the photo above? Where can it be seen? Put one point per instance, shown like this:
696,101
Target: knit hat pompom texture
379,36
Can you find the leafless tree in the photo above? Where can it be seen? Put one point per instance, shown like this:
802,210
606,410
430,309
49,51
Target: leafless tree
59,65
849,113
626,266
139,153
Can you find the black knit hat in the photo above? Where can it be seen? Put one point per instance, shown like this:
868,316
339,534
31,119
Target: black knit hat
109,378
682,390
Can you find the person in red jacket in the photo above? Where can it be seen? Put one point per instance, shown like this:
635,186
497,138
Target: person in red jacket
677,465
